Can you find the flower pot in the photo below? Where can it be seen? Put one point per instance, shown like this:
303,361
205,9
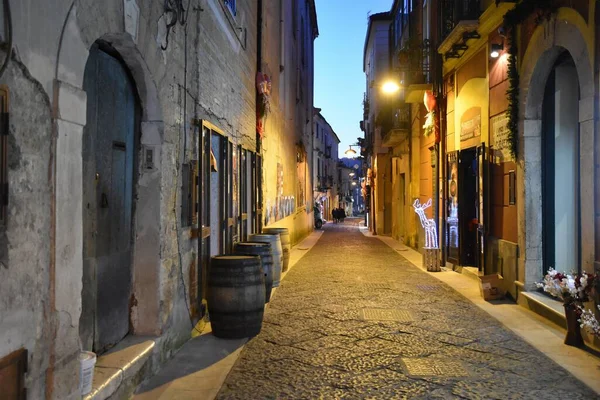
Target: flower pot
573,337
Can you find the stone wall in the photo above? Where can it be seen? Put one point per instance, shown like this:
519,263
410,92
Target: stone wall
291,119
206,72
25,251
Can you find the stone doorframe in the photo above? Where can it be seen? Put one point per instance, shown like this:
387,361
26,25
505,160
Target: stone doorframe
69,108
565,32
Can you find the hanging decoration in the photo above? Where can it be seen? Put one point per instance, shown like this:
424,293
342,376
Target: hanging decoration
543,9
263,104
431,119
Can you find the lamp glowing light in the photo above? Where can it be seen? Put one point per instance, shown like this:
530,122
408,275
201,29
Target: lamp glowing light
496,49
390,87
351,174
351,151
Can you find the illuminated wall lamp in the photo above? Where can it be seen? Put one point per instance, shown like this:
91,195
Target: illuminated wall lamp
496,49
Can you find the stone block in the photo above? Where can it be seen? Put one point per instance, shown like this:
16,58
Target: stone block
72,103
73,54
586,109
532,127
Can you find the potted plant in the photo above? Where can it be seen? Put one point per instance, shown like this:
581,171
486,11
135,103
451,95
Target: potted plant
573,290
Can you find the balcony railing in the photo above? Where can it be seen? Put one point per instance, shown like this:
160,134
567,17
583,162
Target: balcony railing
402,117
454,11
414,62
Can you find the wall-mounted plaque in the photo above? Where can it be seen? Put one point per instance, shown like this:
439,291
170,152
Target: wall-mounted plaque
470,123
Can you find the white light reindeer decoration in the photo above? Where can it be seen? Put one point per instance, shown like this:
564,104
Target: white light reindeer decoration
431,240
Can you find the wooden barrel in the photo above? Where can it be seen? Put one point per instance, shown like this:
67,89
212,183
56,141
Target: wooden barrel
277,252
286,244
236,296
263,250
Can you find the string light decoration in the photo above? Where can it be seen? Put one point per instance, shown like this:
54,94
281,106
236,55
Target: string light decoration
431,239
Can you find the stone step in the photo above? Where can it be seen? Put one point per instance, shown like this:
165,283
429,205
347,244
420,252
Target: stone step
122,369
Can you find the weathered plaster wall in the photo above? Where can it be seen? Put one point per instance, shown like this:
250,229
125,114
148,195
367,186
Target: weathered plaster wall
24,246
291,119
52,39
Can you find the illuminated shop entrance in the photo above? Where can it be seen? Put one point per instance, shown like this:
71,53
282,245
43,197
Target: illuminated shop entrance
465,199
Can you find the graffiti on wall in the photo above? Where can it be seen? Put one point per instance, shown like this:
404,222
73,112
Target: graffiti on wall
282,206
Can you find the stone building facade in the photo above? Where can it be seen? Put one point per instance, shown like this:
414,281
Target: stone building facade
498,212
288,57
325,163
115,108
376,66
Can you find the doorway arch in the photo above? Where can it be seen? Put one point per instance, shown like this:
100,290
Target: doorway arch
110,145
145,313
561,35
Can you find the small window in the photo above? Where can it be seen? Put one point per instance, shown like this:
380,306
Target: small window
231,6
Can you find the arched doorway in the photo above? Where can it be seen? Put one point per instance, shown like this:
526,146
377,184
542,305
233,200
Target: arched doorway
557,54
560,168
109,151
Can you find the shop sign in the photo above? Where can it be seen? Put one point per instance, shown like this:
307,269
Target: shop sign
499,141
470,123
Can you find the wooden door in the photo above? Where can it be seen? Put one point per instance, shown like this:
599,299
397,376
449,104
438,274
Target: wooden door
452,231
108,178
482,193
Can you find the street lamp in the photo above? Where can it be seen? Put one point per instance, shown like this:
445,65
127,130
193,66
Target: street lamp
496,49
351,174
351,151
390,87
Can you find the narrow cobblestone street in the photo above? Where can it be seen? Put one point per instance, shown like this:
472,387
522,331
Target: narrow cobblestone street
354,320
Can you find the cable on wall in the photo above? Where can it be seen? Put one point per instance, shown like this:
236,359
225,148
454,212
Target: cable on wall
9,35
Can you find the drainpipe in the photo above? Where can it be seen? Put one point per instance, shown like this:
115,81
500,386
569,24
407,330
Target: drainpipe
438,80
596,155
259,64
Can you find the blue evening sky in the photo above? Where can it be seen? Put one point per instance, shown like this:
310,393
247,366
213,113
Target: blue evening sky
339,77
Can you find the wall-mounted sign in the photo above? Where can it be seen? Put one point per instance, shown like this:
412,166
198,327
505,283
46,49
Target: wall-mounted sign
470,123
499,140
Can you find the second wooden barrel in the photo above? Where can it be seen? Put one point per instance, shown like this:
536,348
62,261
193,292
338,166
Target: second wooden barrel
263,250
286,244
236,296
277,251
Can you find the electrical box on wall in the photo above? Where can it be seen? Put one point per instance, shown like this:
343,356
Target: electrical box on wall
148,157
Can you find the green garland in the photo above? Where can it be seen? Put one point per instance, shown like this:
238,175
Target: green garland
514,17
513,96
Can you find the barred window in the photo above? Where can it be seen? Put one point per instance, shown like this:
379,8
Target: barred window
231,5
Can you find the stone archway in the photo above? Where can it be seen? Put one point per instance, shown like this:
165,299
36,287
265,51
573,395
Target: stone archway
70,117
546,45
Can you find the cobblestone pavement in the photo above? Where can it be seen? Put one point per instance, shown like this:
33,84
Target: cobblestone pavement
355,320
